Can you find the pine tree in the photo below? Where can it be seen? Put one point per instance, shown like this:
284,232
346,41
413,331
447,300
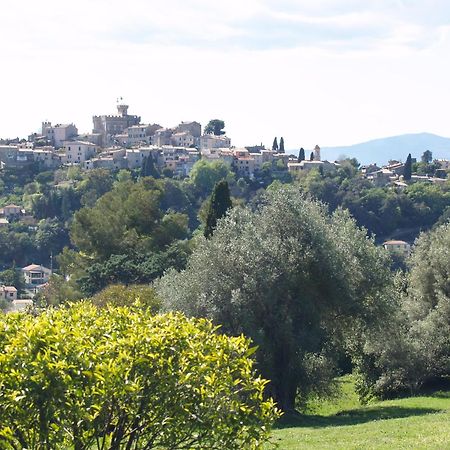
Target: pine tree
311,156
301,155
219,204
275,145
281,145
408,168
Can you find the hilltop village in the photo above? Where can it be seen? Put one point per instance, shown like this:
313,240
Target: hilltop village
51,182
122,142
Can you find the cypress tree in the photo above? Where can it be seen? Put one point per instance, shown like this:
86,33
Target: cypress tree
408,168
301,155
65,205
281,145
153,171
144,166
219,204
275,145
311,156
148,168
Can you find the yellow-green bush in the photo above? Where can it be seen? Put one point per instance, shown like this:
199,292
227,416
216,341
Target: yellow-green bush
81,377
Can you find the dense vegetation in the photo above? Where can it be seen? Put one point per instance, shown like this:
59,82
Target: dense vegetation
290,262
294,279
384,211
414,345
82,377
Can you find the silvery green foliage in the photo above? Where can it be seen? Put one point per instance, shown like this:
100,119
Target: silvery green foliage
427,304
290,276
429,285
414,345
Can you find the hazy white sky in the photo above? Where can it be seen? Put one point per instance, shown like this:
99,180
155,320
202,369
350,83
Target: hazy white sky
314,71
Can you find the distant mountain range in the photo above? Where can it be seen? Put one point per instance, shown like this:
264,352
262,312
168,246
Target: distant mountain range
395,147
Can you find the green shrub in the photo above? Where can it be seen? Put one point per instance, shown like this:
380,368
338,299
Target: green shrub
84,377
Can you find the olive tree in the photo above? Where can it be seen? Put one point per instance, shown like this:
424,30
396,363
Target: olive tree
83,377
414,344
293,278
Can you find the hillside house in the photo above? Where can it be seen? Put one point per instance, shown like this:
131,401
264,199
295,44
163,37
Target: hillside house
210,141
193,128
47,157
382,177
183,139
20,305
8,293
369,168
57,134
36,274
11,211
306,166
244,163
397,168
397,247
79,151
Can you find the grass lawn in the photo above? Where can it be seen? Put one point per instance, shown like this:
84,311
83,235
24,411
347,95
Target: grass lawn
407,423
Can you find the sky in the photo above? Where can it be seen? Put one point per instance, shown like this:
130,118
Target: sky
321,72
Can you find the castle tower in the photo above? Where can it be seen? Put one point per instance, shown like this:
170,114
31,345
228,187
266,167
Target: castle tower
45,126
316,153
122,110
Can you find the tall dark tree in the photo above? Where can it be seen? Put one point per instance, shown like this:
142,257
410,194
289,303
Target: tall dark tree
281,150
311,156
301,155
427,157
144,166
275,145
148,168
219,205
408,168
215,127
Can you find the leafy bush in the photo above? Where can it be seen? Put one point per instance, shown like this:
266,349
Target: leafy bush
84,377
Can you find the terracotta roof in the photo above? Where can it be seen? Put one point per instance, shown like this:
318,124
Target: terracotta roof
9,288
36,267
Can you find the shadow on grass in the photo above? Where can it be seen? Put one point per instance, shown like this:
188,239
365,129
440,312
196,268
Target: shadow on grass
352,417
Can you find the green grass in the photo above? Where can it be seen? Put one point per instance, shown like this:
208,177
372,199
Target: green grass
407,423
